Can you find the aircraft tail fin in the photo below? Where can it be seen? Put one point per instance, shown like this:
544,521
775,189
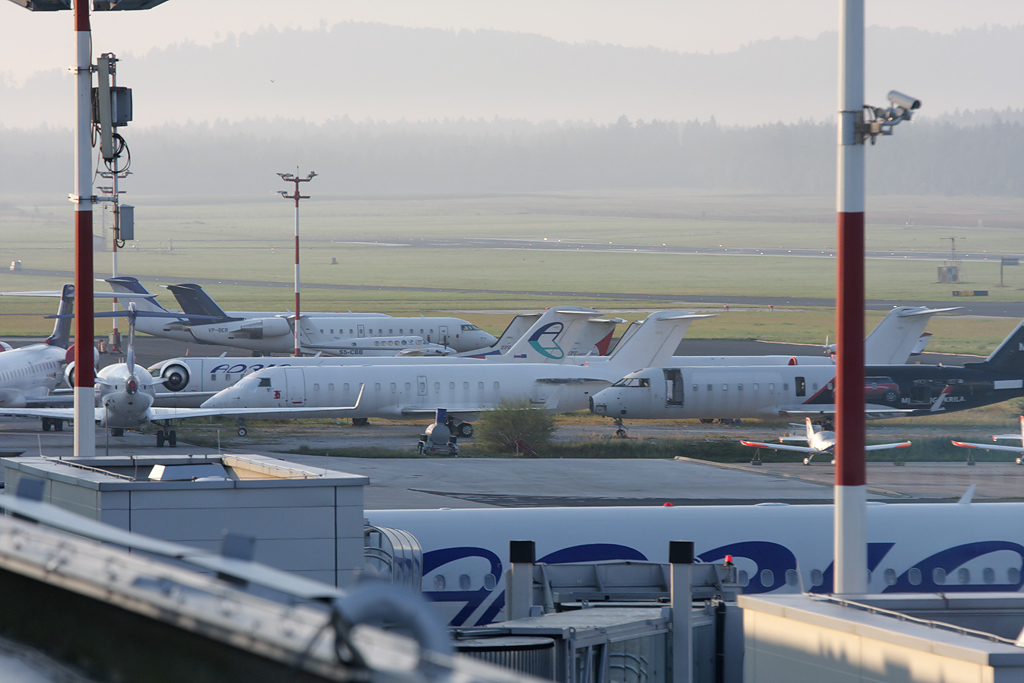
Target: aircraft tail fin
61,336
596,337
194,300
131,285
552,336
655,342
809,426
515,330
894,339
604,344
1007,358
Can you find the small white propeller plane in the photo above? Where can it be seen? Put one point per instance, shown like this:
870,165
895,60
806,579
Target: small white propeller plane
818,441
996,447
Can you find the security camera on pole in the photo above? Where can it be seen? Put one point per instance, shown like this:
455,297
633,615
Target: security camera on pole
289,178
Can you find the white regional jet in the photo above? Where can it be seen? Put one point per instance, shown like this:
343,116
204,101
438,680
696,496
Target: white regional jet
904,390
126,393
341,333
818,441
28,374
912,548
996,447
189,380
417,390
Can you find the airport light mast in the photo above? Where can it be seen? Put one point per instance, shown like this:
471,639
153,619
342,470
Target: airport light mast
289,178
858,123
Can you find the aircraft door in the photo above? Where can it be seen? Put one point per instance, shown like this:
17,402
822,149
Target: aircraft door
421,385
360,331
673,387
443,335
295,386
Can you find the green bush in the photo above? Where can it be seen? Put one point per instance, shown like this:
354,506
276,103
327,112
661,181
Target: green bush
514,422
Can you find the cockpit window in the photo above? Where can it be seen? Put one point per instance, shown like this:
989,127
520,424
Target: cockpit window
264,381
469,328
642,382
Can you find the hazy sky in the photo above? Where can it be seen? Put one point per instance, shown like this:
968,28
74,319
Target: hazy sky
30,41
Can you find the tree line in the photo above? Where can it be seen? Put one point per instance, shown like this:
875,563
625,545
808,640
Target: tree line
953,158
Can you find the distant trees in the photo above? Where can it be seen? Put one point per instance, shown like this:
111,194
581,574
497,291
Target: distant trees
474,156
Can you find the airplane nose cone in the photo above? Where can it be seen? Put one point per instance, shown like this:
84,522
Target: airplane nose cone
215,401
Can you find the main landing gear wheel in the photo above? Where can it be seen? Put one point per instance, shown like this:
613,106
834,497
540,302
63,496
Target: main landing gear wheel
47,424
160,438
172,438
242,431
464,430
360,421
117,431
807,461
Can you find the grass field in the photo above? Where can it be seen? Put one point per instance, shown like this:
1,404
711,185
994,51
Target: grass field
251,239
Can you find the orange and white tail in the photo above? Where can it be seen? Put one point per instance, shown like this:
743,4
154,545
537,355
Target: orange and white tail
810,429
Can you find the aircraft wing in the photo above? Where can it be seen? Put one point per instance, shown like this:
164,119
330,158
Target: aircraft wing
59,413
431,412
166,413
781,447
884,446
574,380
989,446
62,413
871,411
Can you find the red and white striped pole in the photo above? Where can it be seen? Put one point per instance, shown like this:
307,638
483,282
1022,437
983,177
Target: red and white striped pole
289,178
84,390
850,490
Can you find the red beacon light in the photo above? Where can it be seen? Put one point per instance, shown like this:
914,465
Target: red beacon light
728,560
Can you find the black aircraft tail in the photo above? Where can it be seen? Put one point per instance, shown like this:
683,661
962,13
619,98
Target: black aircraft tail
62,328
195,301
1007,358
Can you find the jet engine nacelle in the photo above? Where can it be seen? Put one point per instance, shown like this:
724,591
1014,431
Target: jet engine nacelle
175,376
69,369
261,328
